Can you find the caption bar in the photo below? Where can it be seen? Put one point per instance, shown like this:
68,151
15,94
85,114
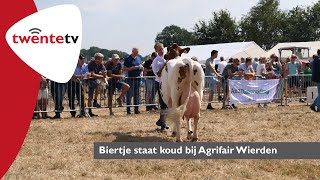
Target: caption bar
206,150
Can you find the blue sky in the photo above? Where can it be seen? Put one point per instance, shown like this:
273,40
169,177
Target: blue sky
123,24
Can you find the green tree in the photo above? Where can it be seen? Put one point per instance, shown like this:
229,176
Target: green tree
263,24
314,20
89,53
174,34
297,25
222,28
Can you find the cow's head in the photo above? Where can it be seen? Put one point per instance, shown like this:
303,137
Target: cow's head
174,51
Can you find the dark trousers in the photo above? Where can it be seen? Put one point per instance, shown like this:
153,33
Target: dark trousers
75,90
57,91
163,106
134,91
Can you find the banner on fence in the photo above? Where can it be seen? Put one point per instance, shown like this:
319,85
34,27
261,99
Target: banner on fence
252,92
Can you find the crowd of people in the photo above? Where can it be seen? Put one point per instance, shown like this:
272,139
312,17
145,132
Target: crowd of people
123,74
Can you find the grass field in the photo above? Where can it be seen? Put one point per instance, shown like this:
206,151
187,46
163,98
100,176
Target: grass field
63,149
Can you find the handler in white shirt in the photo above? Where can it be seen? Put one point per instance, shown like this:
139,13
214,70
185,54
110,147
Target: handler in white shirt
157,66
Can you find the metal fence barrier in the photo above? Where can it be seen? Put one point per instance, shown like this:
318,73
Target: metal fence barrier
73,96
296,87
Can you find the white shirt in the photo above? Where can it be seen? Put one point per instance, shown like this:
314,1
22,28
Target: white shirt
221,66
261,68
156,65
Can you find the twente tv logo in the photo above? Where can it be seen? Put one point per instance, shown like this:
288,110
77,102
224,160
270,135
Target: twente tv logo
49,41
44,39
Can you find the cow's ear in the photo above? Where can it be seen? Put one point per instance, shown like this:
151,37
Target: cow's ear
185,50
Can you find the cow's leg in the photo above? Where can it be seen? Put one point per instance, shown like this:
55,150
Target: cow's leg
178,124
195,128
174,130
189,136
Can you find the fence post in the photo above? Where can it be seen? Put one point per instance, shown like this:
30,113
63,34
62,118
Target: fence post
286,91
84,98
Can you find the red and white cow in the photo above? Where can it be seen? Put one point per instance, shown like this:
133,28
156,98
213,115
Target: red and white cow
182,85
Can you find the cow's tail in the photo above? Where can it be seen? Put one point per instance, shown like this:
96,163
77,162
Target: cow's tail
176,113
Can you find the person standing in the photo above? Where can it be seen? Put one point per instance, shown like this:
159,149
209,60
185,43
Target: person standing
316,78
114,70
222,64
307,78
255,64
98,72
150,83
58,90
211,76
276,64
157,66
75,87
230,71
132,65
293,68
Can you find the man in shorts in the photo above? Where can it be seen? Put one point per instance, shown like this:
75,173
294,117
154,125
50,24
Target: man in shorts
293,68
211,76
97,71
114,70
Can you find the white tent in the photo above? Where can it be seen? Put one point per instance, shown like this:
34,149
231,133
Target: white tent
227,50
313,45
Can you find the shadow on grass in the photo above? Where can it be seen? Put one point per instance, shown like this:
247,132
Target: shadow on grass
131,136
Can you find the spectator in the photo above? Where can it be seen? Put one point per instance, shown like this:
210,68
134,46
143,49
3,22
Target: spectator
150,83
255,64
316,79
125,73
157,66
314,57
132,65
276,64
242,60
222,65
114,70
230,71
261,68
42,100
211,76
262,73
270,70
230,61
58,90
293,71
307,77
247,69
75,88
98,72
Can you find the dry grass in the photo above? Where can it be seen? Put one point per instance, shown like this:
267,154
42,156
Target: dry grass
64,149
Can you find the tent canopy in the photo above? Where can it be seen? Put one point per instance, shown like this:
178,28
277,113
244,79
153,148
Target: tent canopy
226,50
312,45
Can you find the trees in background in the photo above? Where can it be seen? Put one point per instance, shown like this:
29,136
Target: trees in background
88,53
174,34
222,28
262,24
265,24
